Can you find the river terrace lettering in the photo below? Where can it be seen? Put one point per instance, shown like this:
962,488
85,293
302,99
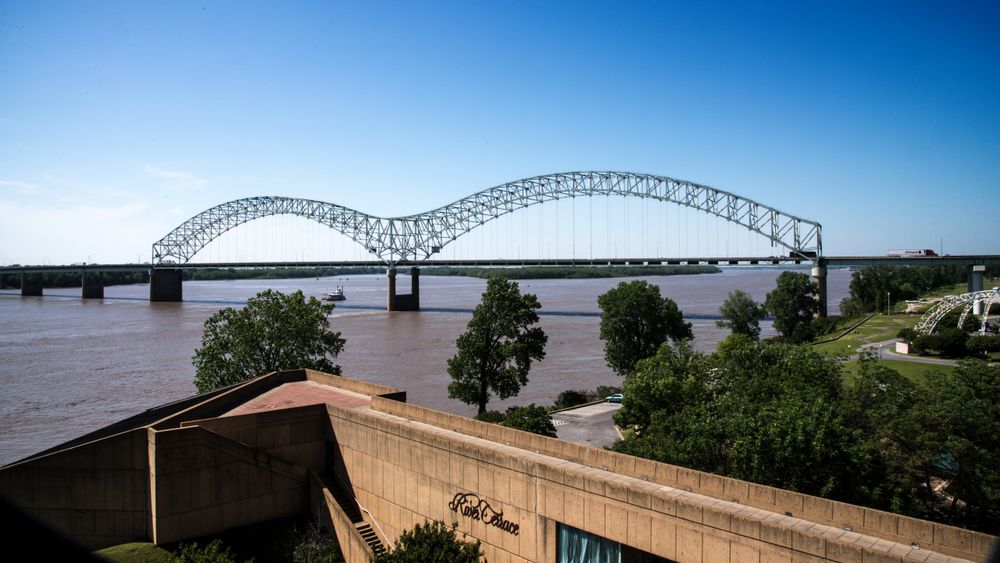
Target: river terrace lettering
470,505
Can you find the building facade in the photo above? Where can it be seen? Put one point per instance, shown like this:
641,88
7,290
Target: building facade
371,465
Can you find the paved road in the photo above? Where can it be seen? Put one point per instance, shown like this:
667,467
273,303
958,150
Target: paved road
887,351
592,425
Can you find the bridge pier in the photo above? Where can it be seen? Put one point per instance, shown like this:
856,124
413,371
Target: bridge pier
403,302
92,286
976,274
819,278
165,285
31,285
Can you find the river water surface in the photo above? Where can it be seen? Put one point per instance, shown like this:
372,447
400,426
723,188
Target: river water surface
69,366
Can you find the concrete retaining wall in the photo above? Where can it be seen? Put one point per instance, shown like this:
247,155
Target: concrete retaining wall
296,435
203,483
96,493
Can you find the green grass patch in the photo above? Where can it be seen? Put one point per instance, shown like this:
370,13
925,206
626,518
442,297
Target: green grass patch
914,371
879,328
136,552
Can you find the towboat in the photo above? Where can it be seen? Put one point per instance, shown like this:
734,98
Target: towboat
335,295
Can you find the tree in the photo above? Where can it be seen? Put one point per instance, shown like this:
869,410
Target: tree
675,377
635,321
496,351
963,413
432,542
274,331
754,411
793,305
530,419
742,314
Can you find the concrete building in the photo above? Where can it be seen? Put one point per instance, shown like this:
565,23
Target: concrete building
357,455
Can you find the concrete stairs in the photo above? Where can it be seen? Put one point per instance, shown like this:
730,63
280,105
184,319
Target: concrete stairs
351,509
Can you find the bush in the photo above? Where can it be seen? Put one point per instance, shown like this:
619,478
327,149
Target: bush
571,398
493,417
214,552
947,341
908,334
982,345
530,419
313,545
430,543
605,390
826,325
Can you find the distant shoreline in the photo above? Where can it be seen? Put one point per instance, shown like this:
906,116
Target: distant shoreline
569,273
521,273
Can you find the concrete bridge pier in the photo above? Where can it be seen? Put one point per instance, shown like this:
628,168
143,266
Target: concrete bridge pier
31,285
404,302
93,285
165,285
976,274
819,278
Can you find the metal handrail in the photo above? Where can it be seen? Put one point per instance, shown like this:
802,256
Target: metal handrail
385,538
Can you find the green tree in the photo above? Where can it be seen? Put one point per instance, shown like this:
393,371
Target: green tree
761,412
432,542
666,383
962,412
496,351
742,314
274,331
635,321
530,419
793,305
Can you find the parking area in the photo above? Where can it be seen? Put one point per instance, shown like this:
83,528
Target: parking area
592,425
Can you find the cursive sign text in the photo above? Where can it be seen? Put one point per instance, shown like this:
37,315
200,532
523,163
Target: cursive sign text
470,505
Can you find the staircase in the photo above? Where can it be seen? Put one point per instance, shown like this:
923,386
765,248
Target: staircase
351,509
371,538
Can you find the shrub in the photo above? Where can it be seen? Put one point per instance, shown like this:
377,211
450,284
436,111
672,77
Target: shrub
530,419
982,344
571,398
947,341
430,543
493,417
214,552
908,334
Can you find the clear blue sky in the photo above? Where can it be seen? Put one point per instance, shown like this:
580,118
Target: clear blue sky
119,120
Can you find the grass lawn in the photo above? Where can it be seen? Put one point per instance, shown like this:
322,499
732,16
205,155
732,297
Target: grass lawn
137,552
913,371
877,329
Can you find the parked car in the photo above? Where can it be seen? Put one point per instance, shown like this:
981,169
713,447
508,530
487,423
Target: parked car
616,398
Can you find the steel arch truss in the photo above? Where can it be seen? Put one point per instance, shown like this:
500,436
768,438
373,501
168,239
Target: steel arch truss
418,237
951,302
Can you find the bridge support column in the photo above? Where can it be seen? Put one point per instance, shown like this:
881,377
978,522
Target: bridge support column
92,286
403,302
819,278
976,274
31,285
165,285
390,275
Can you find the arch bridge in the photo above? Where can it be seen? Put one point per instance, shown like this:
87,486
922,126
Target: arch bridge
967,301
414,239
